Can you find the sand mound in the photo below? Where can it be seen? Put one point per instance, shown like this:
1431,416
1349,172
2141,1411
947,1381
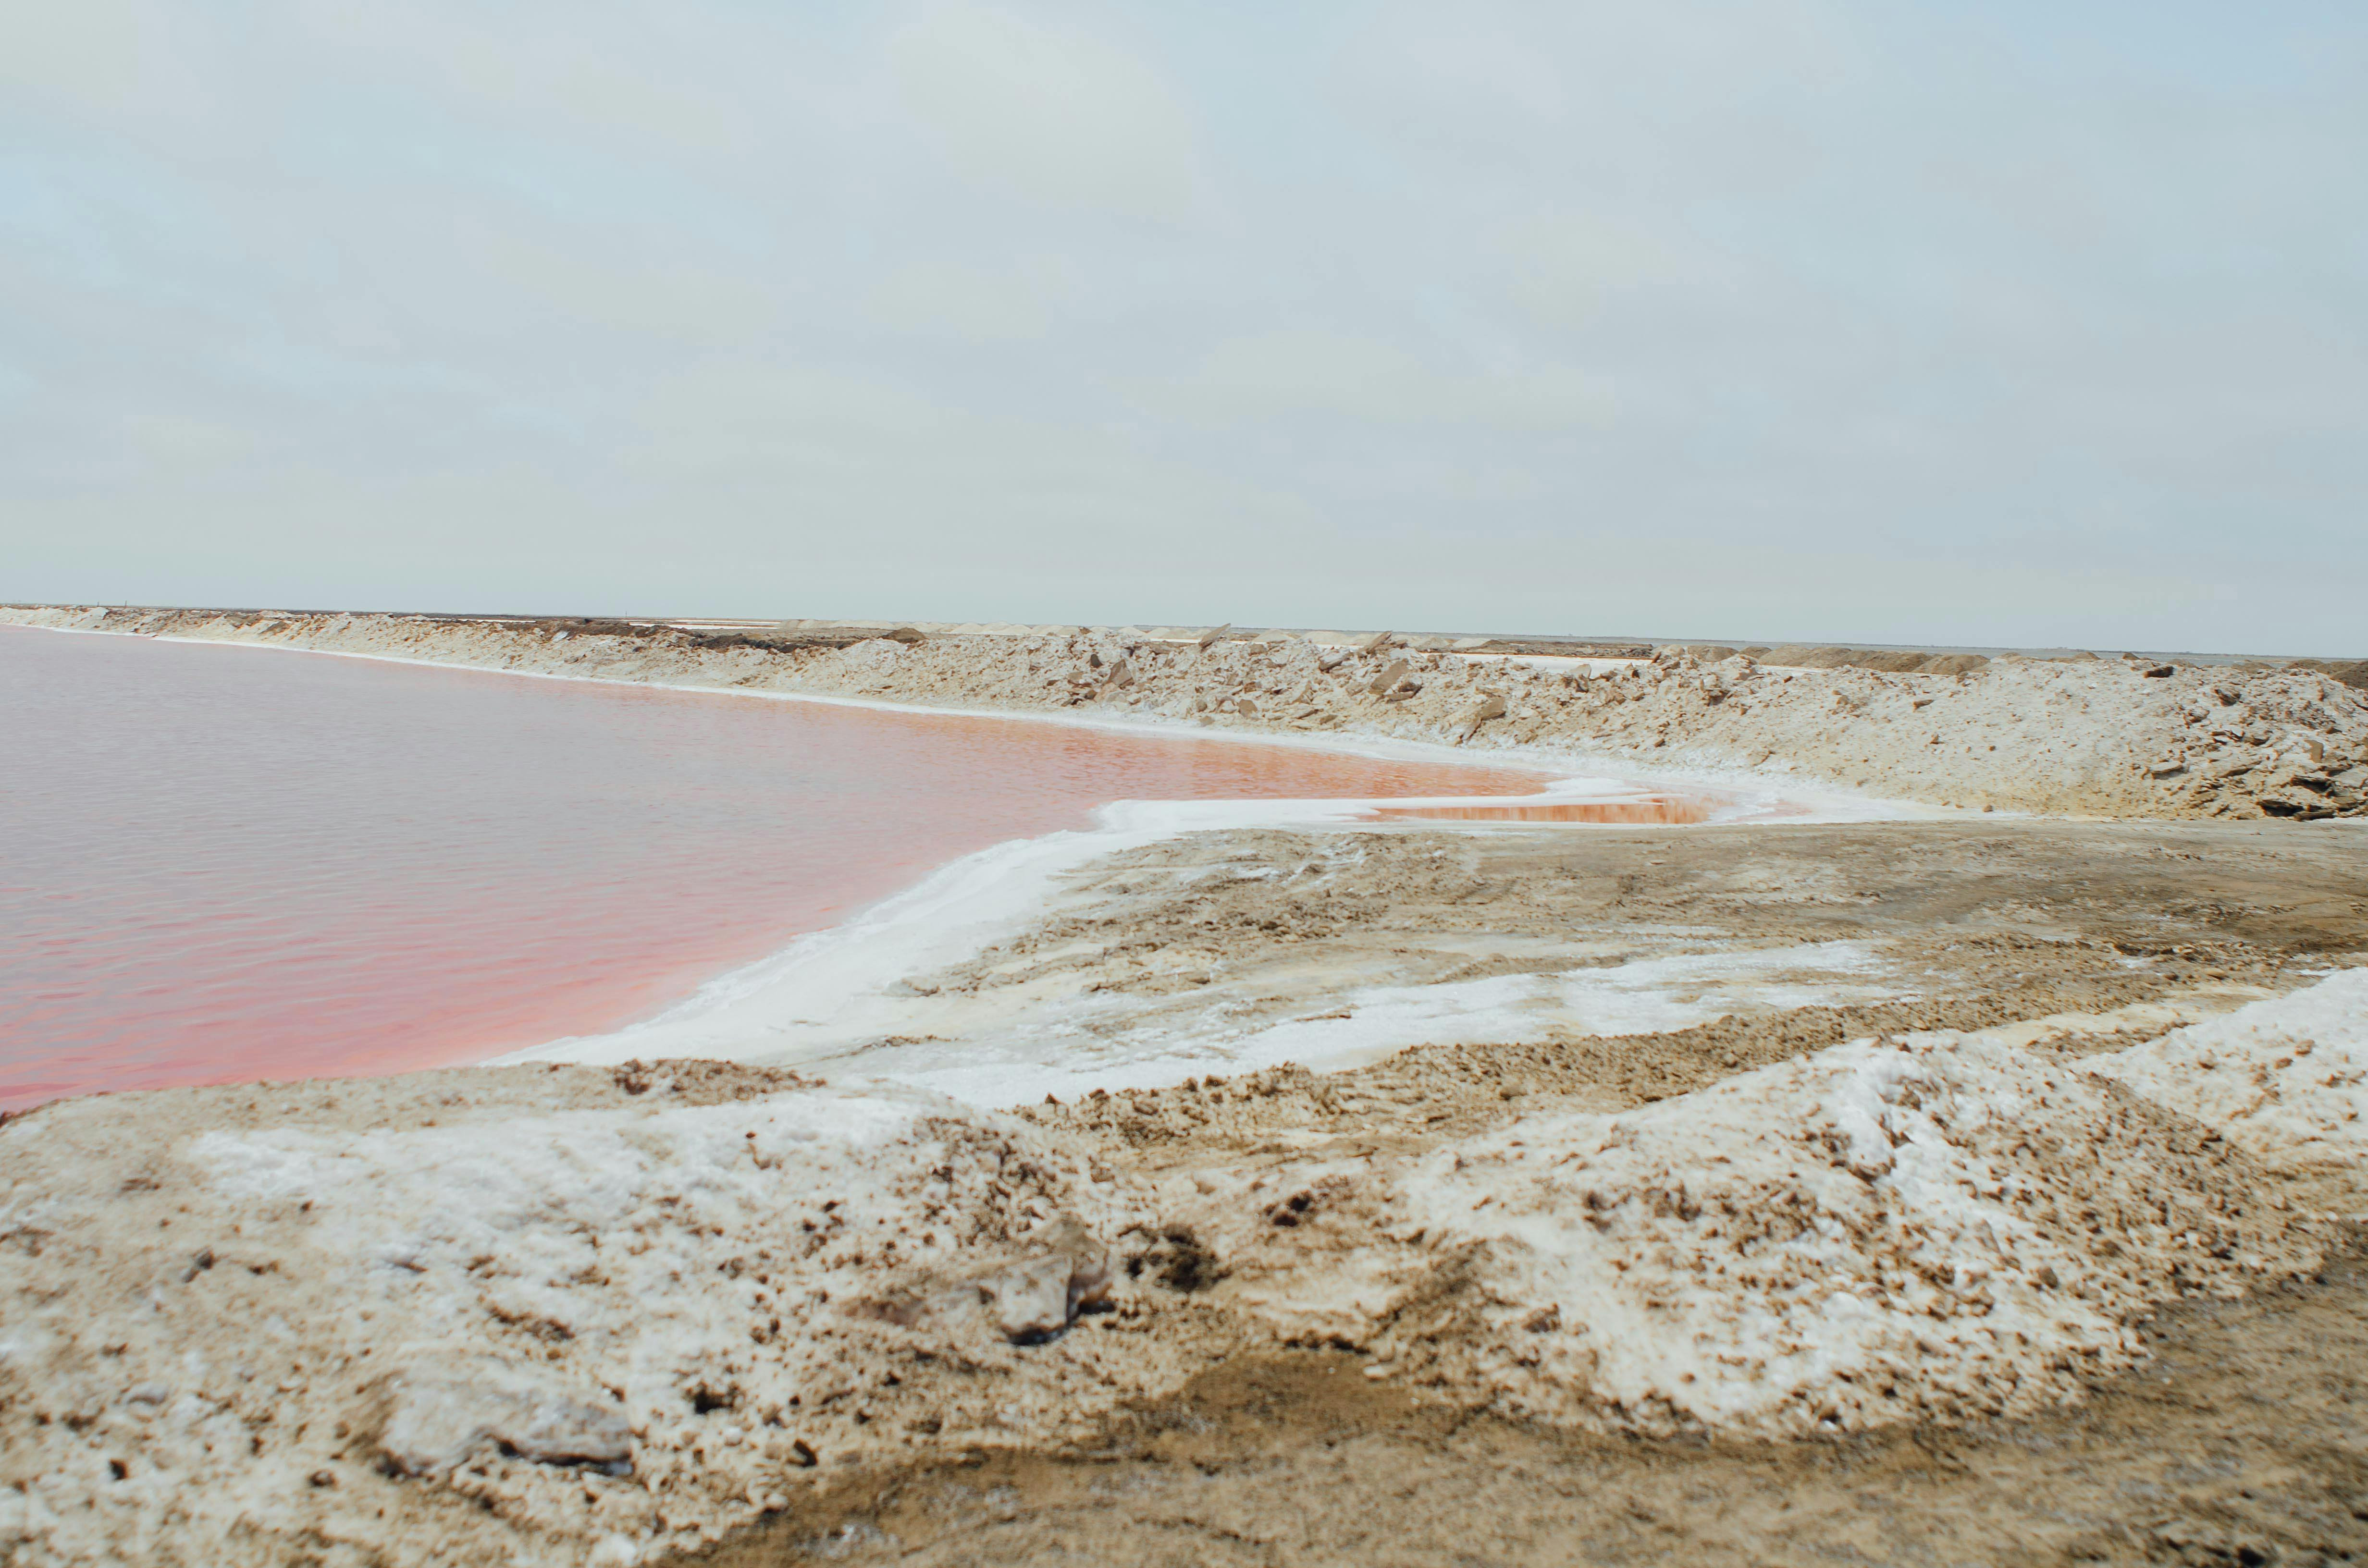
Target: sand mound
525,1314
621,1318
2286,1081
630,1317
1933,1228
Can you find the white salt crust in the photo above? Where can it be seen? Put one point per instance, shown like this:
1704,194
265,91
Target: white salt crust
2287,1080
1936,1227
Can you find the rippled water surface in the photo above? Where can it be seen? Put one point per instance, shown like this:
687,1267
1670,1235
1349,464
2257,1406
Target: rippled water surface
223,863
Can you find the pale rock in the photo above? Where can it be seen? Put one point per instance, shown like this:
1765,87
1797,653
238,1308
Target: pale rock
1029,1301
437,1413
1490,706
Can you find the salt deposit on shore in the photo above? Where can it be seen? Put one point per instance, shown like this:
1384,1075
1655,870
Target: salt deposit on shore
2099,737
858,991
530,1313
1919,1124
2284,1082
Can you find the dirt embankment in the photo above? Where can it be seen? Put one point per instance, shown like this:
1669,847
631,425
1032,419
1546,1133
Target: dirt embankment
566,1314
2245,1441
553,1316
2093,738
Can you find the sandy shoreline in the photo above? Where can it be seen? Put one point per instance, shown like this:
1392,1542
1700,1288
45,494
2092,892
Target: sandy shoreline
1766,1137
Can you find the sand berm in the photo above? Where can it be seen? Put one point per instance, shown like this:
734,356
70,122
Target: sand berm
2108,737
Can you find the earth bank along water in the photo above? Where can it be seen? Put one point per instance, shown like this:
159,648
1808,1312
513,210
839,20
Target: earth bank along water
2110,737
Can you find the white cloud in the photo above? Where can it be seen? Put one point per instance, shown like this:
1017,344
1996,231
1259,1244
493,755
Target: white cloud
1319,372
611,287
113,60
1565,268
936,297
1049,114
672,78
1910,325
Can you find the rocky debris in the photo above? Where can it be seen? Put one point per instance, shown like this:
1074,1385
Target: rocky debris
1029,1301
870,664
1032,1301
1490,706
1026,1301
440,1413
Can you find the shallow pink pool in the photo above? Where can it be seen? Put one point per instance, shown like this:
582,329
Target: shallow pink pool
222,863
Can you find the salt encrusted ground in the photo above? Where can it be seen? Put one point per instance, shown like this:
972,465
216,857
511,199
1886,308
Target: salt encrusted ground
644,1309
2087,736
559,1313
532,1314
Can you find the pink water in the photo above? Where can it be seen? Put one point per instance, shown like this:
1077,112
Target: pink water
223,863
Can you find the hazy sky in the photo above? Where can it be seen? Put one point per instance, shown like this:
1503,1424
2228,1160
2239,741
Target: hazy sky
2008,323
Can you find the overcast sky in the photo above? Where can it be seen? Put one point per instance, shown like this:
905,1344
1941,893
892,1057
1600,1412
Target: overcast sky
1995,323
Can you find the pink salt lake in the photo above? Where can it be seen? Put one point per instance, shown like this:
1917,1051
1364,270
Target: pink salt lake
223,864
